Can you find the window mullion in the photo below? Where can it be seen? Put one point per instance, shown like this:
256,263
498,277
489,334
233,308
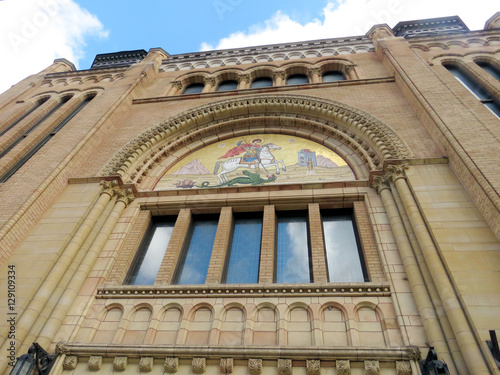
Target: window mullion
221,246
267,251
318,258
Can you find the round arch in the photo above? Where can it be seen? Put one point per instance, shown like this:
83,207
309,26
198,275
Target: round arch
361,138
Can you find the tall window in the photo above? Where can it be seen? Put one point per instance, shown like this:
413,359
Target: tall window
45,139
342,250
26,114
243,264
151,253
476,89
293,264
195,258
493,70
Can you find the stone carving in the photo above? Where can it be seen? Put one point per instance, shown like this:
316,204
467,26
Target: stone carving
109,187
171,364
281,75
343,367
146,364
397,171
199,365
177,85
313,366
209,81
414,353
125,195
372,367
244,78
313,71
403,368
284,366
255,366
226,365
70,362
380,183
95,363
120,363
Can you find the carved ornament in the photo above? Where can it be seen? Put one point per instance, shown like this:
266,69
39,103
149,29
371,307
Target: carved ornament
171,364
255,366
120,363
226,365
396,172
284,366
109,187
70,362
403,368
199,365
146,364
95,362
381,182
313,366
125,195
372,367
343,367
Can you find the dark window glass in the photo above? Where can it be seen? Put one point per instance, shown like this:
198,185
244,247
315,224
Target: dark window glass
38,104
243,265
476,89
193,266
292,260
297,79
342,251
261,82
45,139
490,69
332,77
194,88
150,255
228,85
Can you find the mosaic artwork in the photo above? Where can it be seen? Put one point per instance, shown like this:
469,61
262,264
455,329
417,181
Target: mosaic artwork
256,159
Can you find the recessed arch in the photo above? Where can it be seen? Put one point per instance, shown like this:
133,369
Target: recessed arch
364,136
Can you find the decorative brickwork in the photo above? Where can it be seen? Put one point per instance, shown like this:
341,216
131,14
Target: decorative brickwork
266,270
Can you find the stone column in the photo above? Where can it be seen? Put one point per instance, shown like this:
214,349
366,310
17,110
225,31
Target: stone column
124,197
243,81
175,88
417,284
314,75
210,84
279,78
42,296
469,347
266,267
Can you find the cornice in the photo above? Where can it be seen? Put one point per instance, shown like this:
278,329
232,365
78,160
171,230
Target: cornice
249,290
470,34
85,72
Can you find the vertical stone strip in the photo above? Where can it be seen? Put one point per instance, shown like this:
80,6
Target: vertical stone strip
266,268
175,246
318,257
314,75
417,284
368,243
124,197
37,304
473,356
221,247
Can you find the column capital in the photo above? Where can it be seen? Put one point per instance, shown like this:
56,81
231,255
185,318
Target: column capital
125,195
177,85
209,81
244,77
312,71
397,171
110,187
281,75
381,182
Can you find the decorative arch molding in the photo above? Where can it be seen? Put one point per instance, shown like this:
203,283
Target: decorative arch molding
465,57
368,138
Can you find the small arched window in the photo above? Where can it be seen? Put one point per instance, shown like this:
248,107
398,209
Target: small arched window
194,88
333,76
493,70
297,79
261,82
228,85
475,88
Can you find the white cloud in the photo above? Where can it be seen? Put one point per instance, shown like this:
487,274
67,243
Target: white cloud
355,17
35,32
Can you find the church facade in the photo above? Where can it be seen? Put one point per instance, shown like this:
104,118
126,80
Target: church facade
320,207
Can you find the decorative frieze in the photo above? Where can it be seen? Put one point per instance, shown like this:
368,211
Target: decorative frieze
70,362
403,368
313,366
95,362
284,366
199,365
372,368
226,365
255,366
343,367
146,364
171,364
120,363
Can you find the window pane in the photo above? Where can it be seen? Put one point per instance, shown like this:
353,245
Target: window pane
193,267
297,79
151,254
243,267
194,88
228,85
493,107
292,265
469,83
333,77
261,82
344,264
490,69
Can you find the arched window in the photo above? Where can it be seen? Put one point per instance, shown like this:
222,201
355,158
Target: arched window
194,88
228,85
38,103
332,76
493,70
475,88
297,79
261,82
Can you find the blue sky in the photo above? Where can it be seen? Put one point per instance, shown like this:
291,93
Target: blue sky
35,32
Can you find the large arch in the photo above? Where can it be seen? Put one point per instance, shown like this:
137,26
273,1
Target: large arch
369,140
